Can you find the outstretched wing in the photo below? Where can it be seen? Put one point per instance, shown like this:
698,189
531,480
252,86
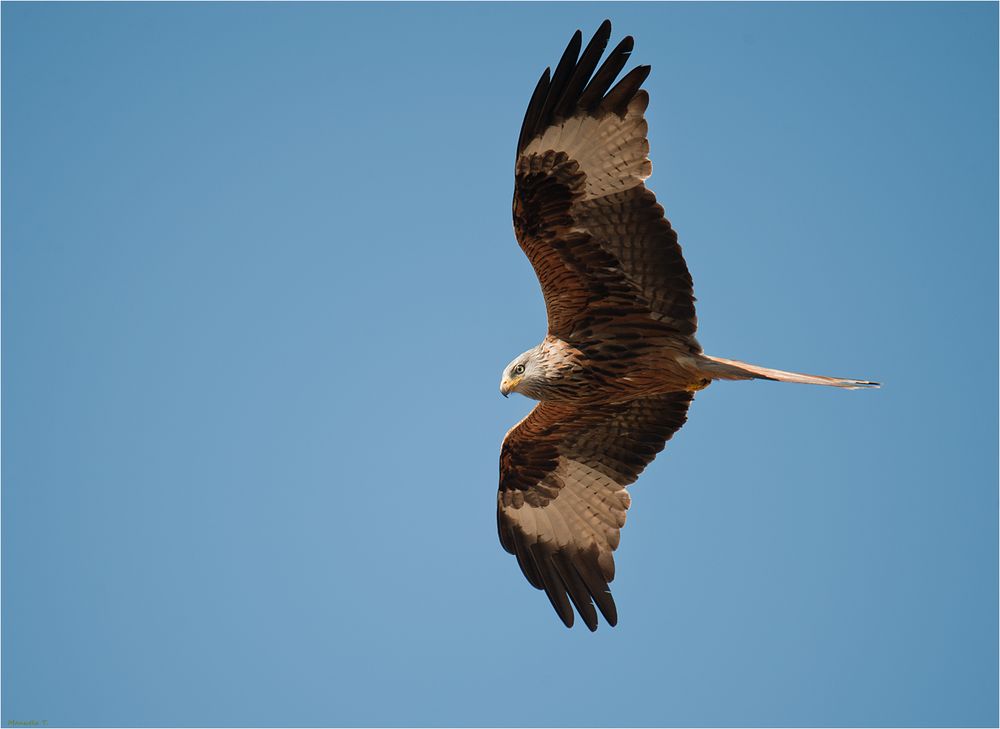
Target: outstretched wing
562,498
599,242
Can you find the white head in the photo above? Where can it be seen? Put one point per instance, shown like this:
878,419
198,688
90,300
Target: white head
524,374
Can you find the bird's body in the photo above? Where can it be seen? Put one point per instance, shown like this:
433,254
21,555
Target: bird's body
617,370
595,372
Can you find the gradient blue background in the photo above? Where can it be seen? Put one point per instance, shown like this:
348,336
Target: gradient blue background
259,282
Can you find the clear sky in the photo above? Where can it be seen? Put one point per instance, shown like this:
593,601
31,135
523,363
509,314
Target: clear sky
259,282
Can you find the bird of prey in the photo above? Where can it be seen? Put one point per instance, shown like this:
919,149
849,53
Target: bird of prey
620,364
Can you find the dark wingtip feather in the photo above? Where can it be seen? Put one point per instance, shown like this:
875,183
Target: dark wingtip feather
526,560
618,98
554,588
561,78
578,592
589,571
606,74
567,102
530,122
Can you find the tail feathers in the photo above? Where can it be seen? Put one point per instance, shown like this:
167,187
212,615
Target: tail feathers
731,369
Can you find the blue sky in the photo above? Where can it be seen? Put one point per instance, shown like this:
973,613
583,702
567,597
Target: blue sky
259,282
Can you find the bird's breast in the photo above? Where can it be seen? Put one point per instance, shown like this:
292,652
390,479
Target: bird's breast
610,370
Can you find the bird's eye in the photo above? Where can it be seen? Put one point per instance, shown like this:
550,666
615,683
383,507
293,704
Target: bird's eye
519,370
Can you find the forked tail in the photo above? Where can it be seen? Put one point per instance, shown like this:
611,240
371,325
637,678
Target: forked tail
719,368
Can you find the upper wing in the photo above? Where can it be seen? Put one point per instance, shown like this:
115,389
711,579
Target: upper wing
602,249
562,499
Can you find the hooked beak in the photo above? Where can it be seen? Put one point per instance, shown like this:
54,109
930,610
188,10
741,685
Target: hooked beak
507,386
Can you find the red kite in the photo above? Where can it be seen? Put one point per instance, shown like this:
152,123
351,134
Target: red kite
620,364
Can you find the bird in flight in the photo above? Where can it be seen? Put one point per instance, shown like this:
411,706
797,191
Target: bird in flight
620,364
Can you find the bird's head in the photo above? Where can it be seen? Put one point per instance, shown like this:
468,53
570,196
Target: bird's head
523,371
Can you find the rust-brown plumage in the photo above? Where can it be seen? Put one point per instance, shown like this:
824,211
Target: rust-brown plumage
617,371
